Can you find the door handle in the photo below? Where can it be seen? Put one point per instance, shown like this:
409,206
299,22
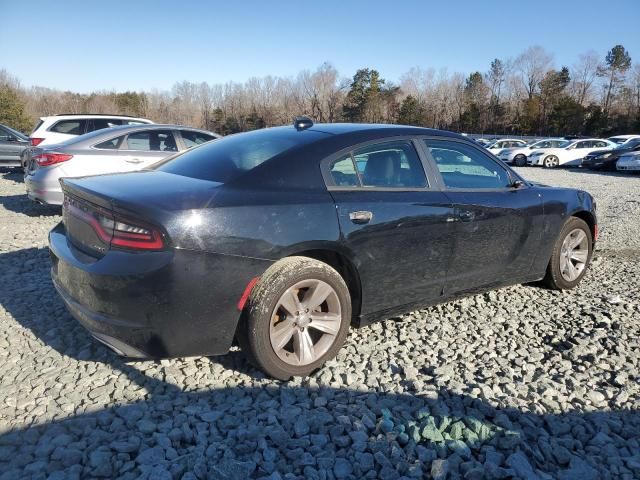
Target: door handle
360,217
466,215
133,160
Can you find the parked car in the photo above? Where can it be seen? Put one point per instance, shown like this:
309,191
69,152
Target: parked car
283,237
497,145
482,141
629,162
623,139
607,159
58,128
518,155
12,144
118,149
570,154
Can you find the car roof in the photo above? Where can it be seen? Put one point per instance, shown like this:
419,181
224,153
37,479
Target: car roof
70,116
624,136
385,129
104,134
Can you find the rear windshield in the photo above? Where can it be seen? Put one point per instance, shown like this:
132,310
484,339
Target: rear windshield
229,157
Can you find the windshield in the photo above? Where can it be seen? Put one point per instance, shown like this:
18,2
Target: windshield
227,158
630,144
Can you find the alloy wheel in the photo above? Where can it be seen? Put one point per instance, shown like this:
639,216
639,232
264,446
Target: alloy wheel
574,254
305,322
551,161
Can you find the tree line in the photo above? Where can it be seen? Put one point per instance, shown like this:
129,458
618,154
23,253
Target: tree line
524,95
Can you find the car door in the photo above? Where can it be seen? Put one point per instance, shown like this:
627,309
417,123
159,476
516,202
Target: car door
145,147
10,146
394,222
497,226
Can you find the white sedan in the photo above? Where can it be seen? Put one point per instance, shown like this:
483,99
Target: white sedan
568,154
629,162
497,145
518,155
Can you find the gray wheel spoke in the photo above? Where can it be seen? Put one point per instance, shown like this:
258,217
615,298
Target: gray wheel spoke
303,347
317,295
291,338
577,239
290,302
579,256
325,322
282,333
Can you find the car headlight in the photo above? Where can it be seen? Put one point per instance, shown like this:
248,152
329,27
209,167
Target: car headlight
605,155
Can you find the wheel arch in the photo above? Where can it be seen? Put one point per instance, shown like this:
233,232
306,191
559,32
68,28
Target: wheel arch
589,219
344,266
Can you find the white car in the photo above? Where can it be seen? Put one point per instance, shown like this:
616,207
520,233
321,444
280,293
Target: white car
518,155
629,162
58,128
568,154
498,145
622,139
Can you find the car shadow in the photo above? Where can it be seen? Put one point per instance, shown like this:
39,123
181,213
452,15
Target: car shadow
239,427
15,174
607,173
24,205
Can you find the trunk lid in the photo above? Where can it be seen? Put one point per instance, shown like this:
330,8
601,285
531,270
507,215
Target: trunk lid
145,198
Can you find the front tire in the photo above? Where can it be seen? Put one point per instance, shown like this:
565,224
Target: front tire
571,255
297,317
551,161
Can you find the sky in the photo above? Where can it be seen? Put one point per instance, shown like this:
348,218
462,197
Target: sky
144,45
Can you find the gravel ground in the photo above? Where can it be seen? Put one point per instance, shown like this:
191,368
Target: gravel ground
517,383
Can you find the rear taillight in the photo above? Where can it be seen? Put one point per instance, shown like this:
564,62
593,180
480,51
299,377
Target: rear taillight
36,141
46,159
116,231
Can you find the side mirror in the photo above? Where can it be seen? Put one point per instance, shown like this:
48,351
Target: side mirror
517,184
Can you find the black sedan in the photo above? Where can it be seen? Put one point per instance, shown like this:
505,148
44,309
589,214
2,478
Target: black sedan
607,159
284,237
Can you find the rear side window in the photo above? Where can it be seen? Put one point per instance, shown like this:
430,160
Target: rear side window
463,166
193,139
70,127
229,157
112,144
393,164
344,173
152,141
100,123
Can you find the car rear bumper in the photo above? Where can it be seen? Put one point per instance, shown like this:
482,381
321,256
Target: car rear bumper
172,303
43,191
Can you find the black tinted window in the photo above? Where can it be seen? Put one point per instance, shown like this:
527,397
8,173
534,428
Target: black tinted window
344,173
228,157
70,127
100,123
112,144
463,166
392,164
193,139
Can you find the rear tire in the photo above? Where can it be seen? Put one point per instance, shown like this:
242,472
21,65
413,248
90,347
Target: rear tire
571,255
284,331
520,161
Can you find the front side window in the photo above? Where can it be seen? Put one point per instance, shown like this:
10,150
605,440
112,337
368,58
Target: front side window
69,127
463,166
152,141
392,164
193,139
112,144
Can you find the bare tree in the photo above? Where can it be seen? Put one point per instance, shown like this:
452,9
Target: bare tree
532,65
583,76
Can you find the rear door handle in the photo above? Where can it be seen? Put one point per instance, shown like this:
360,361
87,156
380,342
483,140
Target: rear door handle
360,217
466,215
